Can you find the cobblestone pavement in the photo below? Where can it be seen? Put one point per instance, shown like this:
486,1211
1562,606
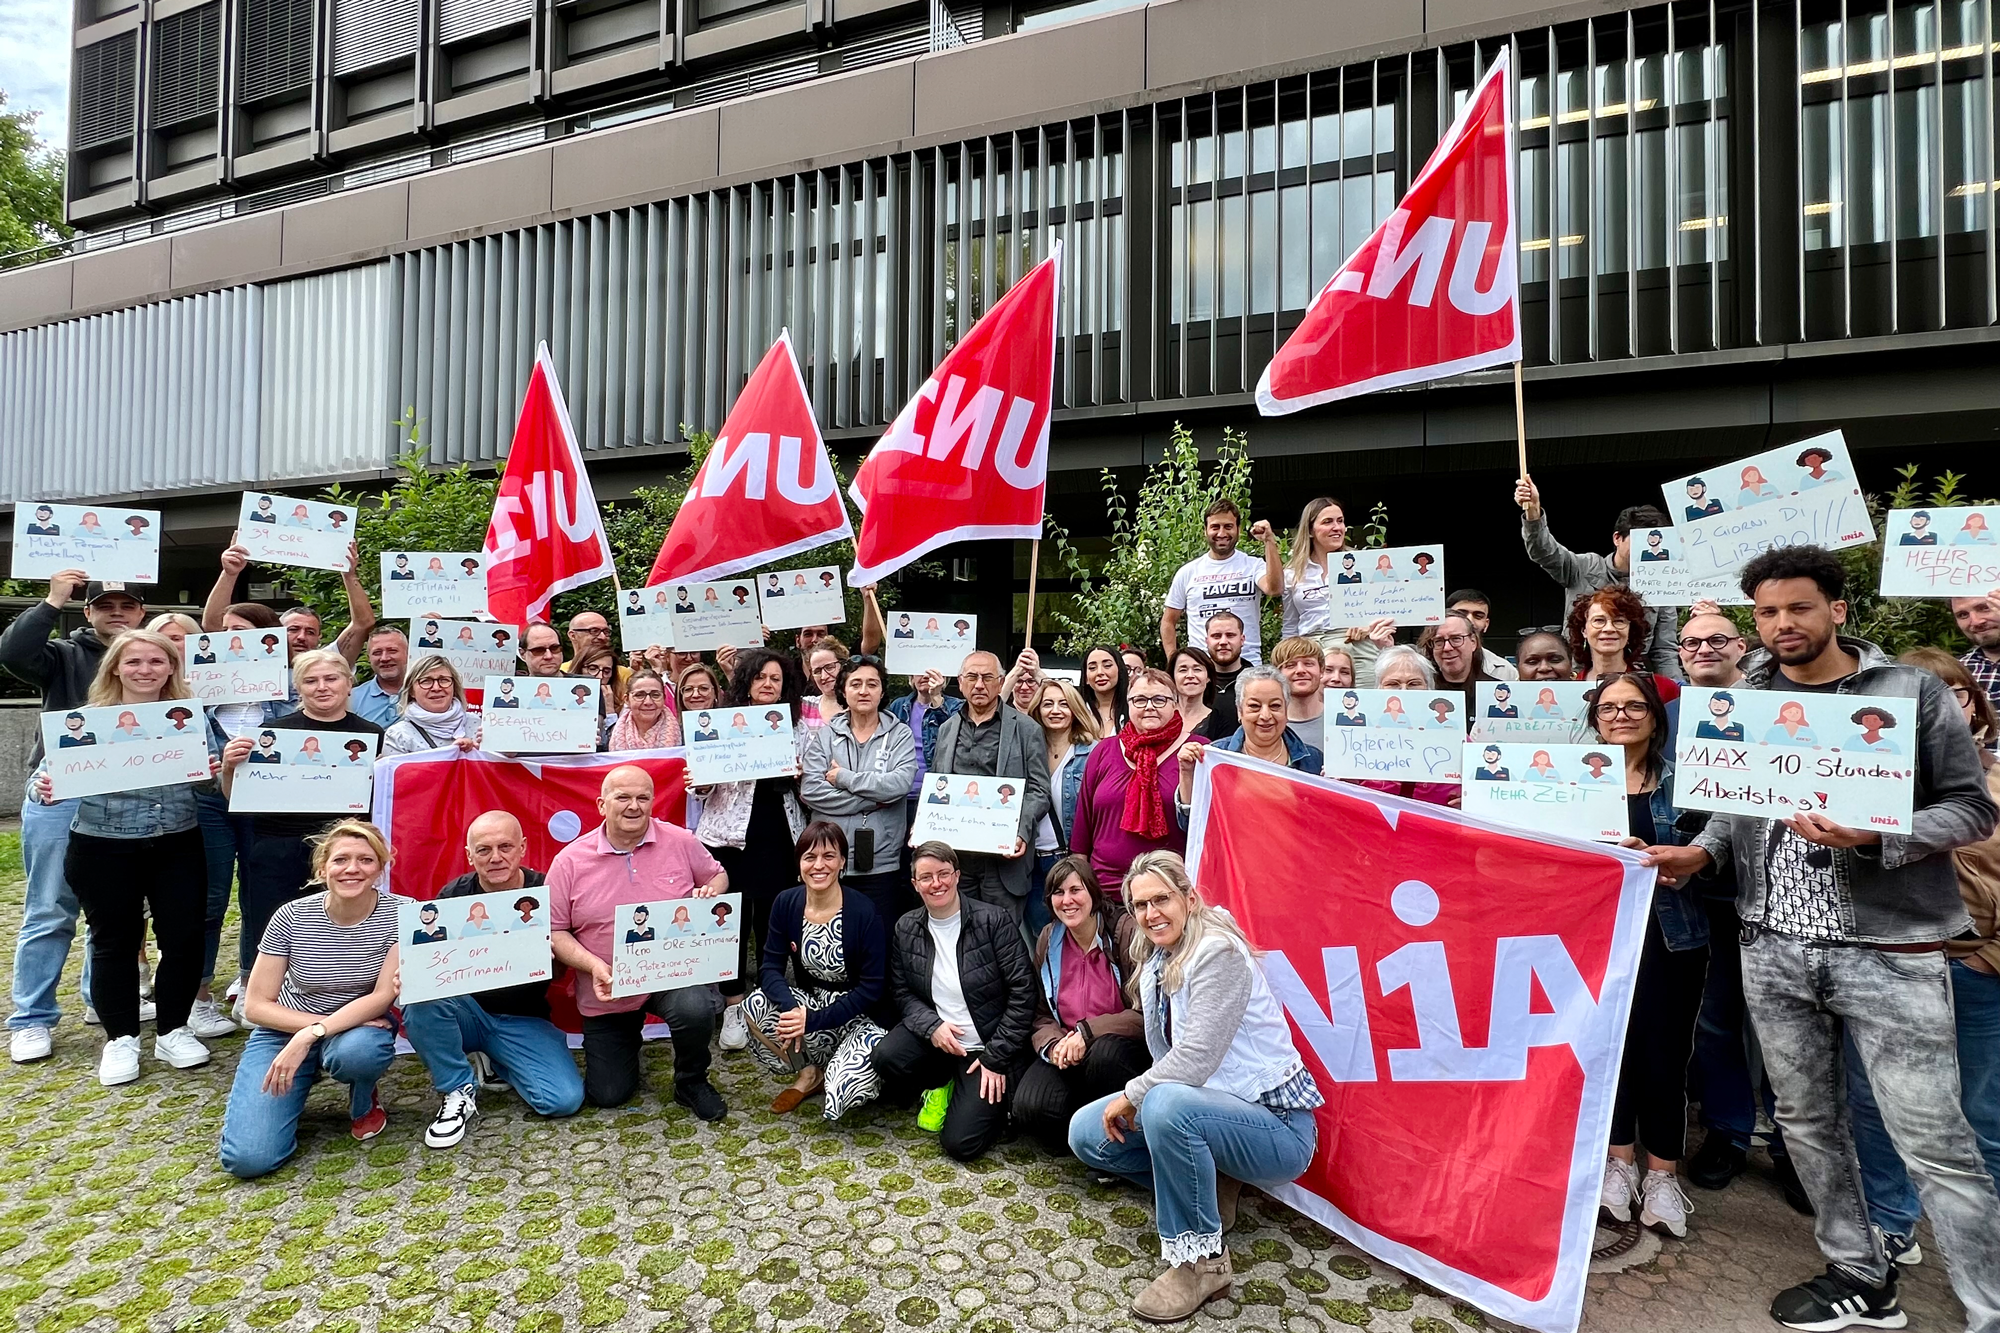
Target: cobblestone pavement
114,1215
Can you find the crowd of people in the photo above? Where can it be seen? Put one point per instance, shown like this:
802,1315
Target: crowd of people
1837,984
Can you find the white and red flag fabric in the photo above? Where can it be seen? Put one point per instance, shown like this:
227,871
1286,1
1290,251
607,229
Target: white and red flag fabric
1460,994
546,536
968,457
1435,291
766,490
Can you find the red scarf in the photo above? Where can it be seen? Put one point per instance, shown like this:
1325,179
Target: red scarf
1145,814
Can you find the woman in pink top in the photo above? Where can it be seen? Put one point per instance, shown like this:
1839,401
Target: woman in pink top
1125,804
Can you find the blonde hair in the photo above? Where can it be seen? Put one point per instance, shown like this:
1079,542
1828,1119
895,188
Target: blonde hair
1296,649
425,665
1302,544
318,657
187,624
322,846
1082,717
1170,870
107,690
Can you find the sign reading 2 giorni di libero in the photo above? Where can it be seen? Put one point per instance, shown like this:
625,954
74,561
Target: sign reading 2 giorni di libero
1774,754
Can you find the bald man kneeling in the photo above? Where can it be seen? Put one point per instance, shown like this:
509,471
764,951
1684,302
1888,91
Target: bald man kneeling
509,1027
632,858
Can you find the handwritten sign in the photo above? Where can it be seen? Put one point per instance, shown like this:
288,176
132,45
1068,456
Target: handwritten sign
674,942
1801,493
278,530
645,618
239,666
1531,710
972,814
124,747
1775,754
539,715
433,583
794,598
305,771
1662,577
921,641
116,545
461,946
474,648
1574,790
1400,583
740,744
1400,735
707,616
1951,552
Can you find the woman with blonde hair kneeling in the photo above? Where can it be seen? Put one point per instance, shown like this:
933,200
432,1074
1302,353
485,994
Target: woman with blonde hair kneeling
319,996
1226,1101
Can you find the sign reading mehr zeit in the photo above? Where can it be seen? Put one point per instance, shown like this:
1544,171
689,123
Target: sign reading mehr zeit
1776,754
1574,790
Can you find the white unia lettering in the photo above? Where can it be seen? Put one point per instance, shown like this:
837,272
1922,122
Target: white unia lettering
1425,253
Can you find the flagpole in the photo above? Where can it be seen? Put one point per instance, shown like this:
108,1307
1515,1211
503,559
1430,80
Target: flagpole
1034,566
1520,422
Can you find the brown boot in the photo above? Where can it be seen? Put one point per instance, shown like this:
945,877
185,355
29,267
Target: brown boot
1228,1191
1181,1290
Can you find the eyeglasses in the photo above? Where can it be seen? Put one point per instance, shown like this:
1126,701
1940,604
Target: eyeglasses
933,877
1716,641
600,631
830,669
1526,630
1454,640
1635,709
545,648
435,683
650,696
976,677
1960,693
1149,701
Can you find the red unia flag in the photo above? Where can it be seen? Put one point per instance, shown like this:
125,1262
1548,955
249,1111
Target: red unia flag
546,536
1434,291
968,458
1460,994
750,505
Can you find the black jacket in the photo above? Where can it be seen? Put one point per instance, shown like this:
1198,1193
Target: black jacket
61,668
864,947
530,1000
993,971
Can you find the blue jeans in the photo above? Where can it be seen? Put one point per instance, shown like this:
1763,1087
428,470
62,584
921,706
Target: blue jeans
48,922
530,1053
1184,1137
226,839
1892,1200
259,1131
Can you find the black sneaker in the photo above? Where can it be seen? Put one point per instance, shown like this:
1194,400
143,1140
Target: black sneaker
701,1098
1790,1185
1715,1163
1838,1299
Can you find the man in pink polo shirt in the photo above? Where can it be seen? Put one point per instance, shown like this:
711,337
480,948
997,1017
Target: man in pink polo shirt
632,858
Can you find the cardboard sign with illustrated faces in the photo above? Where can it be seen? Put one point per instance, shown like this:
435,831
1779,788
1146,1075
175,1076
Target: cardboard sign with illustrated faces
674,942
707,616
739,744
1797,494
921,641
237,666
1662,577
433,583
279,530
969,812
1400,583
539,715
475,648
481,942
1577,791
1941,552
124,747
1532,710
305,772
110,545
645,618
1775,753
795,598
1398,735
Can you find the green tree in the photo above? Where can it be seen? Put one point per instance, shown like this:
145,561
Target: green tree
31,187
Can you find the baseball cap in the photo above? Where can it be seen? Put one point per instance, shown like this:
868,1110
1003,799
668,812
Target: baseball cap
97,588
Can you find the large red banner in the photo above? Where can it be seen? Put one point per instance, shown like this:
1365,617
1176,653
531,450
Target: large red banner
1460,992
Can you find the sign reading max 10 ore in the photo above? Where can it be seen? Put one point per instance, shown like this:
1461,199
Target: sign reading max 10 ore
1774,754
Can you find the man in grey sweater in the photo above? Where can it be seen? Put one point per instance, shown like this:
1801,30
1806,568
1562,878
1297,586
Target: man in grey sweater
1581,574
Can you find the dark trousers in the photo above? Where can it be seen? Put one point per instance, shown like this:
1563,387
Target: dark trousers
226,840
760,877
117,880
1048,1096
1721,1076
1659,1039
889,893
909,1065
275,871
611,1043
979,876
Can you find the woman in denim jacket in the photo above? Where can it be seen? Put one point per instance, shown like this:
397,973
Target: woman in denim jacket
1627,711
131,850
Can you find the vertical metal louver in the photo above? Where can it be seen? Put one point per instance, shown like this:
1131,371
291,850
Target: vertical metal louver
106,91
277,47
187,65
459,19
372,32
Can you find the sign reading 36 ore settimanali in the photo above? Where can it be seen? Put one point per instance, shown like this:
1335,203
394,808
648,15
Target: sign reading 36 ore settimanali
1775,754
481,942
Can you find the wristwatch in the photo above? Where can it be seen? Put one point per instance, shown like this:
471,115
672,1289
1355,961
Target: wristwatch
318,1031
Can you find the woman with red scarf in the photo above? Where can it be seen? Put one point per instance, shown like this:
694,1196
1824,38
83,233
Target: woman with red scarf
1126,803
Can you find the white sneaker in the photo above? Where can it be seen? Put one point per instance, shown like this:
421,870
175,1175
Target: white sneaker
208,1020
1614,1197
148,1011
239,1014
180,1048
453,1118
482,1072
120,1062
31,1043
1665,1207
1901,1250
235,988
145,979
735,1031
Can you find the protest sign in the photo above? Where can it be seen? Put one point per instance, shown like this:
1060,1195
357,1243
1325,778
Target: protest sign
1941,552
795,598
1799,494
972,814
1662,577
740,744
110,545
645,619
1577,791
539,715
481,942
475,648
1775,754
707,616
124,747
278,530
674,942
1400,583
433,583
1460,995
922,641
239,666
305,771
1532,710
1399,735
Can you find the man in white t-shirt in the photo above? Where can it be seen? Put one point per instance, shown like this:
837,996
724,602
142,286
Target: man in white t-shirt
1223,580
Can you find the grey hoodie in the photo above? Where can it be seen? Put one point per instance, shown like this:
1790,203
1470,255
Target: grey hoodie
873,787
62,668
1583,574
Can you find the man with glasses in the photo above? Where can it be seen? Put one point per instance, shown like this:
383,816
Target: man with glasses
1711,647
1477,607
587,630
541,649
988,738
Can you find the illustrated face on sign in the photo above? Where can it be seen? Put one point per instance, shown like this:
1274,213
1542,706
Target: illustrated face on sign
74,725
825,579
264,504
741,594
681,916
1383,564
43,513
542,692
701,720
1541,760
470,568
708,595
1501,694
1654,540
1720,706
402,562
436,566
737,724
1393,705
310,746
773,720
236,644
465,635
136,526
581,694
507,688
774,580
1792,714
1490,755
